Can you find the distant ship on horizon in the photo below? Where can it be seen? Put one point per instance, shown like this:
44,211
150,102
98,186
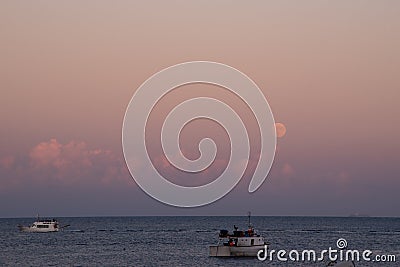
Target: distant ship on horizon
356,214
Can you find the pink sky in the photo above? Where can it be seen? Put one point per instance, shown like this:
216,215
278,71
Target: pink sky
328,69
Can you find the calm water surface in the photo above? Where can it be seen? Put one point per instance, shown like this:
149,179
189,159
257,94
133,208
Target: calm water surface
183,241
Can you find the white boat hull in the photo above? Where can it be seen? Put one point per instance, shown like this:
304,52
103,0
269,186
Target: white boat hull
233,251
37,230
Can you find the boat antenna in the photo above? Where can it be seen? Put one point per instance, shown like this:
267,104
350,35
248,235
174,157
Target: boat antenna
249,215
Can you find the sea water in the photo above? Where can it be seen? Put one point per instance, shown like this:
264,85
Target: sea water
184,241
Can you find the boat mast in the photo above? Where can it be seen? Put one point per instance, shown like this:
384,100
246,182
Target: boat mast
249,215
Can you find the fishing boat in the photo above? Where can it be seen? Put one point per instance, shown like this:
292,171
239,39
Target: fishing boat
239,243
42,226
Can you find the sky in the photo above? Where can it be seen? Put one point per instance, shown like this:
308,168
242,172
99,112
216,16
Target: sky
329,70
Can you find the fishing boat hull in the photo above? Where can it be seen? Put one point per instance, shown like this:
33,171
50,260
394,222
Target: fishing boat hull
232,251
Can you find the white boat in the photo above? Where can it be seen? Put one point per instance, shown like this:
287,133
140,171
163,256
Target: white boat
42,226
238,244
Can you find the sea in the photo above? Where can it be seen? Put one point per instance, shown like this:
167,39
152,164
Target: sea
185,240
